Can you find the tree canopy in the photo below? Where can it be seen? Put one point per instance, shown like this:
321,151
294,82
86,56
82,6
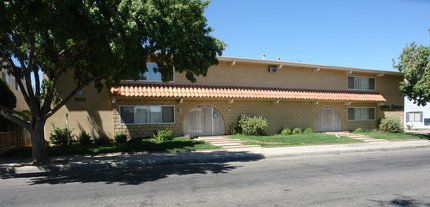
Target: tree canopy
99,41
414,62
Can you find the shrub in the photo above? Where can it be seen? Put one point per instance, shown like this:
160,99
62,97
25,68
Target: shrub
409,127
358,130
120,138
391,125
308,131
255,125
163,135
58,136
286,131
232,129
84,138
297,131
103,141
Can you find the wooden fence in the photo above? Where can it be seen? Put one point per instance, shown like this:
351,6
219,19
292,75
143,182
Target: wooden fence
7,138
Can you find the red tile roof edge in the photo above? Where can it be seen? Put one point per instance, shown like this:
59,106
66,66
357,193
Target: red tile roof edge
205,91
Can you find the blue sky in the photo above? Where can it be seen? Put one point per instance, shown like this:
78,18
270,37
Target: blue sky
352,33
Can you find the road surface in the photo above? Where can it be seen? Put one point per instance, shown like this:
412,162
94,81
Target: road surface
387,178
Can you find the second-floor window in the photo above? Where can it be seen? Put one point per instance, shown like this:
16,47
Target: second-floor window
150,75
361,83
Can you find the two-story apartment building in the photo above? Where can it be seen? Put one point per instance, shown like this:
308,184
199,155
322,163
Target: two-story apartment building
322,97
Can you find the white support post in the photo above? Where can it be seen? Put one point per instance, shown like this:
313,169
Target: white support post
67,126
94,136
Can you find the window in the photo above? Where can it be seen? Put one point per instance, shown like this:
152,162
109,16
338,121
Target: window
361,113
363,83
414,116
80,92
150,75
147,114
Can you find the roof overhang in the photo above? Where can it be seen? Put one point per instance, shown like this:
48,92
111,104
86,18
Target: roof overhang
230,92
235,60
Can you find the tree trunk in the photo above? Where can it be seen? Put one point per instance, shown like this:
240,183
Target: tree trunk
38,143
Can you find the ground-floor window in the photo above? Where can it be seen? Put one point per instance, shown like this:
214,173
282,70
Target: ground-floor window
147,114
361,113
416,116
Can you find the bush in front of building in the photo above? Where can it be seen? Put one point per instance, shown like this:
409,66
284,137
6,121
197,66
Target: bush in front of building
252,125
163,135
358,130
297,131
103,140
308,131
391,125
286,131
58,136
120,138
84,139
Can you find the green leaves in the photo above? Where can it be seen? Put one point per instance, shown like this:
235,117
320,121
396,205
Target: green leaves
414,62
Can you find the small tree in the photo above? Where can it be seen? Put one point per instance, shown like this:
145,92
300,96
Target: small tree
414,61
99,42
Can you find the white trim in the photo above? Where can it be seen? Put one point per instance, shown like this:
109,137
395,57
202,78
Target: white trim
359,89
374,114
123,124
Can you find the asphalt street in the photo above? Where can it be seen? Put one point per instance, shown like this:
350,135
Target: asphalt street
380,178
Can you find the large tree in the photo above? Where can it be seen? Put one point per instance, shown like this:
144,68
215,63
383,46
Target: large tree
99,41
414,62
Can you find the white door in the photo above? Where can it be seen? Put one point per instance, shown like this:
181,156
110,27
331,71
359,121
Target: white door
203,121
327,120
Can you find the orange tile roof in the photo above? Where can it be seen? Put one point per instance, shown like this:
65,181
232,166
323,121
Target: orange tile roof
196,91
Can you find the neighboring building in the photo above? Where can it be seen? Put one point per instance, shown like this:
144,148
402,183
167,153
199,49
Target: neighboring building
14,87
417,117
322,97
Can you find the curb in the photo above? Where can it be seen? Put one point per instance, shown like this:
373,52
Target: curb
337,152
217,156
5,170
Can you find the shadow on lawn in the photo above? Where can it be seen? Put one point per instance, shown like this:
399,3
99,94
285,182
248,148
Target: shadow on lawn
137,169
130,147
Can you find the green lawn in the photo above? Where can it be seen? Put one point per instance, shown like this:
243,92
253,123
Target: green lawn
393,136
296,139
144,145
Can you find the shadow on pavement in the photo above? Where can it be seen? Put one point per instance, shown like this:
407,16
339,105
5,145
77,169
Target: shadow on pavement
403,201
136,169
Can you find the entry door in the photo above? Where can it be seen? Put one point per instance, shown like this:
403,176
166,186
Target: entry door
203,121
327,120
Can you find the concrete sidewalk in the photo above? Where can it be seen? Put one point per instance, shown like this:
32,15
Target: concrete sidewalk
219,156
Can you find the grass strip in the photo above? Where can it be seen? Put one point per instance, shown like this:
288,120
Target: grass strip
144,145
295,139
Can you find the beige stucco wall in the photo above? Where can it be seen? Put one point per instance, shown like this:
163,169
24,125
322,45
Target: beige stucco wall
97,105
257,75
286,114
